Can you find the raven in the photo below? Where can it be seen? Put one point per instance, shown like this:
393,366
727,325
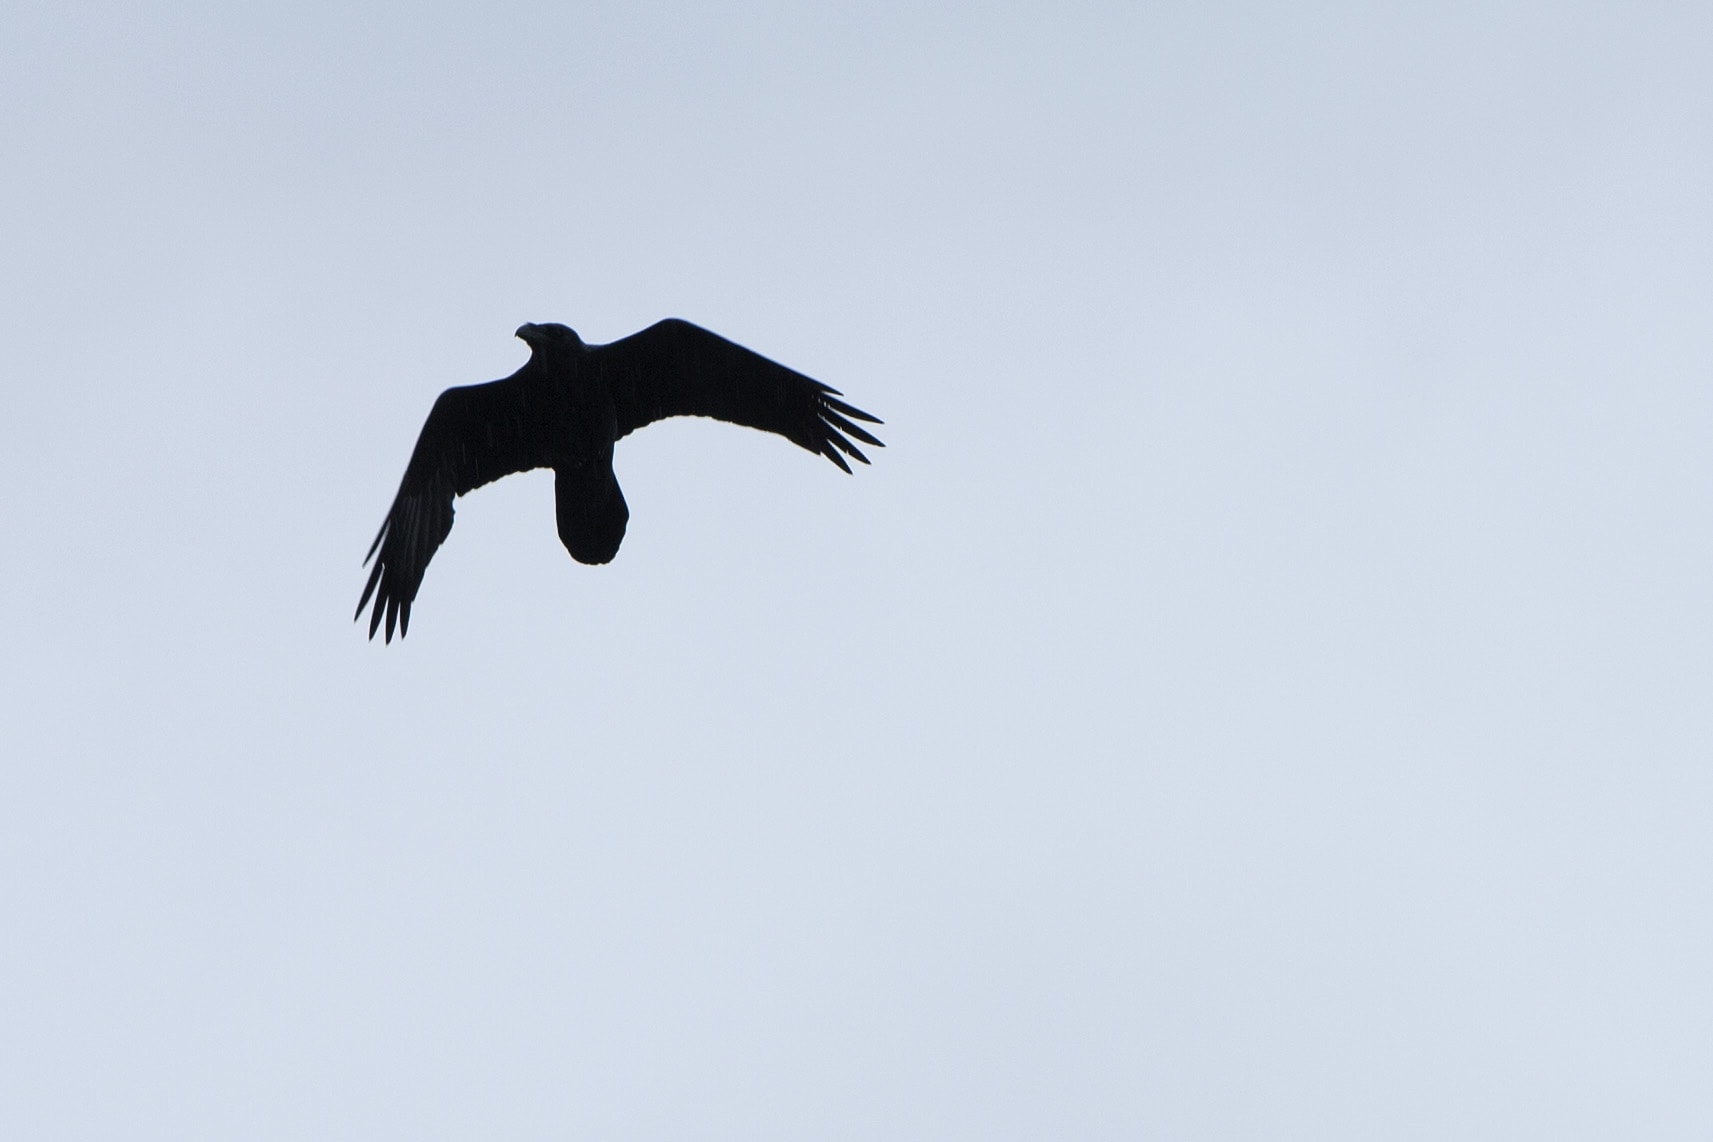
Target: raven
564,410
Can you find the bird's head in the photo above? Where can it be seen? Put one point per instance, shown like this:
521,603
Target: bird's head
549,338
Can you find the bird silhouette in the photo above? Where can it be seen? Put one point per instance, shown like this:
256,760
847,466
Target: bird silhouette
565,409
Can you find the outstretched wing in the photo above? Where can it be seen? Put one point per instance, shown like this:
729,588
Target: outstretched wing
675,368
475,434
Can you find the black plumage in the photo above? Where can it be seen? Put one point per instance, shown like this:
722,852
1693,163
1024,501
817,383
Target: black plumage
565,409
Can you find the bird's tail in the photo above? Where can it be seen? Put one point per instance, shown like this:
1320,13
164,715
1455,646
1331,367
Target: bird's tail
592,513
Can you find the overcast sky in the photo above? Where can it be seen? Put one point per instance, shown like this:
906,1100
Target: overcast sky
1260,692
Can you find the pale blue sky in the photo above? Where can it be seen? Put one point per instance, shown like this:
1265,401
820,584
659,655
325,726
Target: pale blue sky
1261,692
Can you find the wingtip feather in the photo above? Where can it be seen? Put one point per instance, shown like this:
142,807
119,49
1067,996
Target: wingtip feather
376,546
368,589
861,434
832,454
851,410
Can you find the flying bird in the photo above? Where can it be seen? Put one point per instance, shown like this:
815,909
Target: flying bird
565,409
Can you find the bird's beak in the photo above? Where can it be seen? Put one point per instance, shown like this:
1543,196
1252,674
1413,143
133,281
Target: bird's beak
526,333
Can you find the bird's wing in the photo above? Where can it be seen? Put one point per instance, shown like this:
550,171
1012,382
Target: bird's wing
675,368
474,435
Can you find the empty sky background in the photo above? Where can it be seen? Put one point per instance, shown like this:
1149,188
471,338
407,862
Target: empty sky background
1261,692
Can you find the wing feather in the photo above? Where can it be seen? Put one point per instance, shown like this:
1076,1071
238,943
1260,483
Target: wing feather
474,435
674,368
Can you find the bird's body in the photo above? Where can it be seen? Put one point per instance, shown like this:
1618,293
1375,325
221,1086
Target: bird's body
565,409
